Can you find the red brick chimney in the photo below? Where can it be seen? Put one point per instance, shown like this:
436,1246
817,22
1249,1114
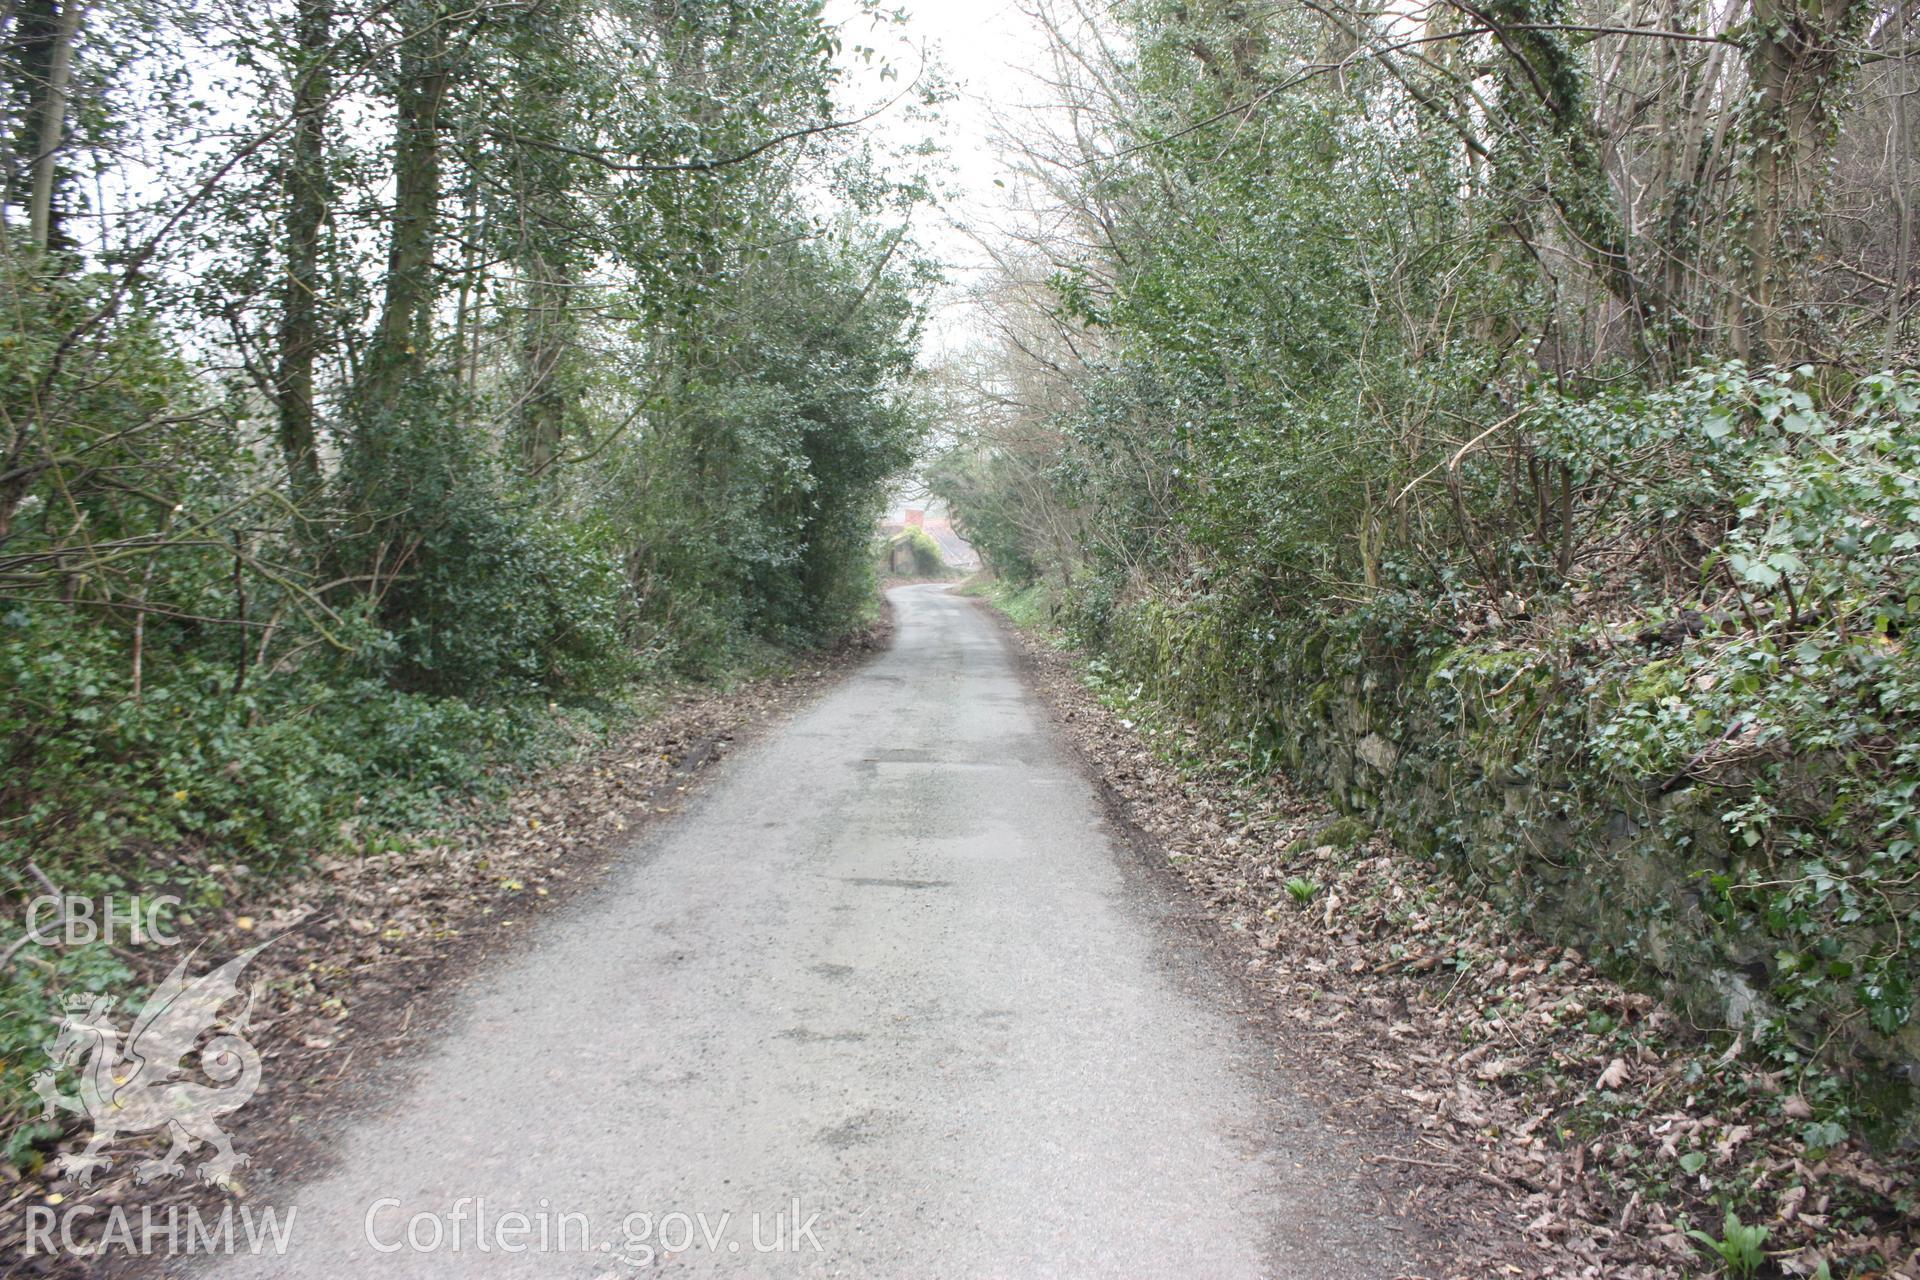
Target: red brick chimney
916,519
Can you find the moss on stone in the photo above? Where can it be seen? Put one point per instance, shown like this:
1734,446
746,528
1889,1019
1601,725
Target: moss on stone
1341,833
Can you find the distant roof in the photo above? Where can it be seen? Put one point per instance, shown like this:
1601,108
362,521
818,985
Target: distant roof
954,549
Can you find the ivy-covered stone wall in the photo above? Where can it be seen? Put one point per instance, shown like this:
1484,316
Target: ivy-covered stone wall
1482,757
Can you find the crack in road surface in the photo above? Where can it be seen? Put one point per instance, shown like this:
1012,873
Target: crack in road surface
936,1021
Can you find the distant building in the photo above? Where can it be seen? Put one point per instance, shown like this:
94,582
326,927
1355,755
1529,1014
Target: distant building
932,518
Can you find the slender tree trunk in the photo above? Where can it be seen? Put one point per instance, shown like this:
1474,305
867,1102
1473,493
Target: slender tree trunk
544,181
308,195
1900,142
1546,87
546,343
466,301
1800,52
405,331
52,124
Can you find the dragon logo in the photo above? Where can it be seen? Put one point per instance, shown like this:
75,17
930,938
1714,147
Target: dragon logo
147,1088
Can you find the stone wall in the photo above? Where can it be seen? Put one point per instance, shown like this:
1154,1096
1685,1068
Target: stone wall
1474,758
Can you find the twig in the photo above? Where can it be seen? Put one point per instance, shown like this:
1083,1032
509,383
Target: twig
6,957
45,882
1426,1164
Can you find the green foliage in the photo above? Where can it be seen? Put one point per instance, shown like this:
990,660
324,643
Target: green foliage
923,553
1798,709
489,595
1322,436
1738,1246
1301,889
1028,606
983,485
96,775
25,1001
604,363
779,471
1780,711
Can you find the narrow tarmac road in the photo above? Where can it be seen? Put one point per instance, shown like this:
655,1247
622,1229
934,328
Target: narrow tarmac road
890,999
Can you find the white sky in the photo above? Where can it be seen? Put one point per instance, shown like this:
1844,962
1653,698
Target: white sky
989,52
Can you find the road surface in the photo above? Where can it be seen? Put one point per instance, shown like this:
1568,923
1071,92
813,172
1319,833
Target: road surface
889,999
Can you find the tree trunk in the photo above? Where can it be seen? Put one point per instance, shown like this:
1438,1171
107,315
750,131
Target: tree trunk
1900,142
307,200
544,183
52,124
1800,52
1545,87
547,340
405,331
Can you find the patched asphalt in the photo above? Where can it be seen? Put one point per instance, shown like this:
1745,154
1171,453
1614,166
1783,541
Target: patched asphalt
891,998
